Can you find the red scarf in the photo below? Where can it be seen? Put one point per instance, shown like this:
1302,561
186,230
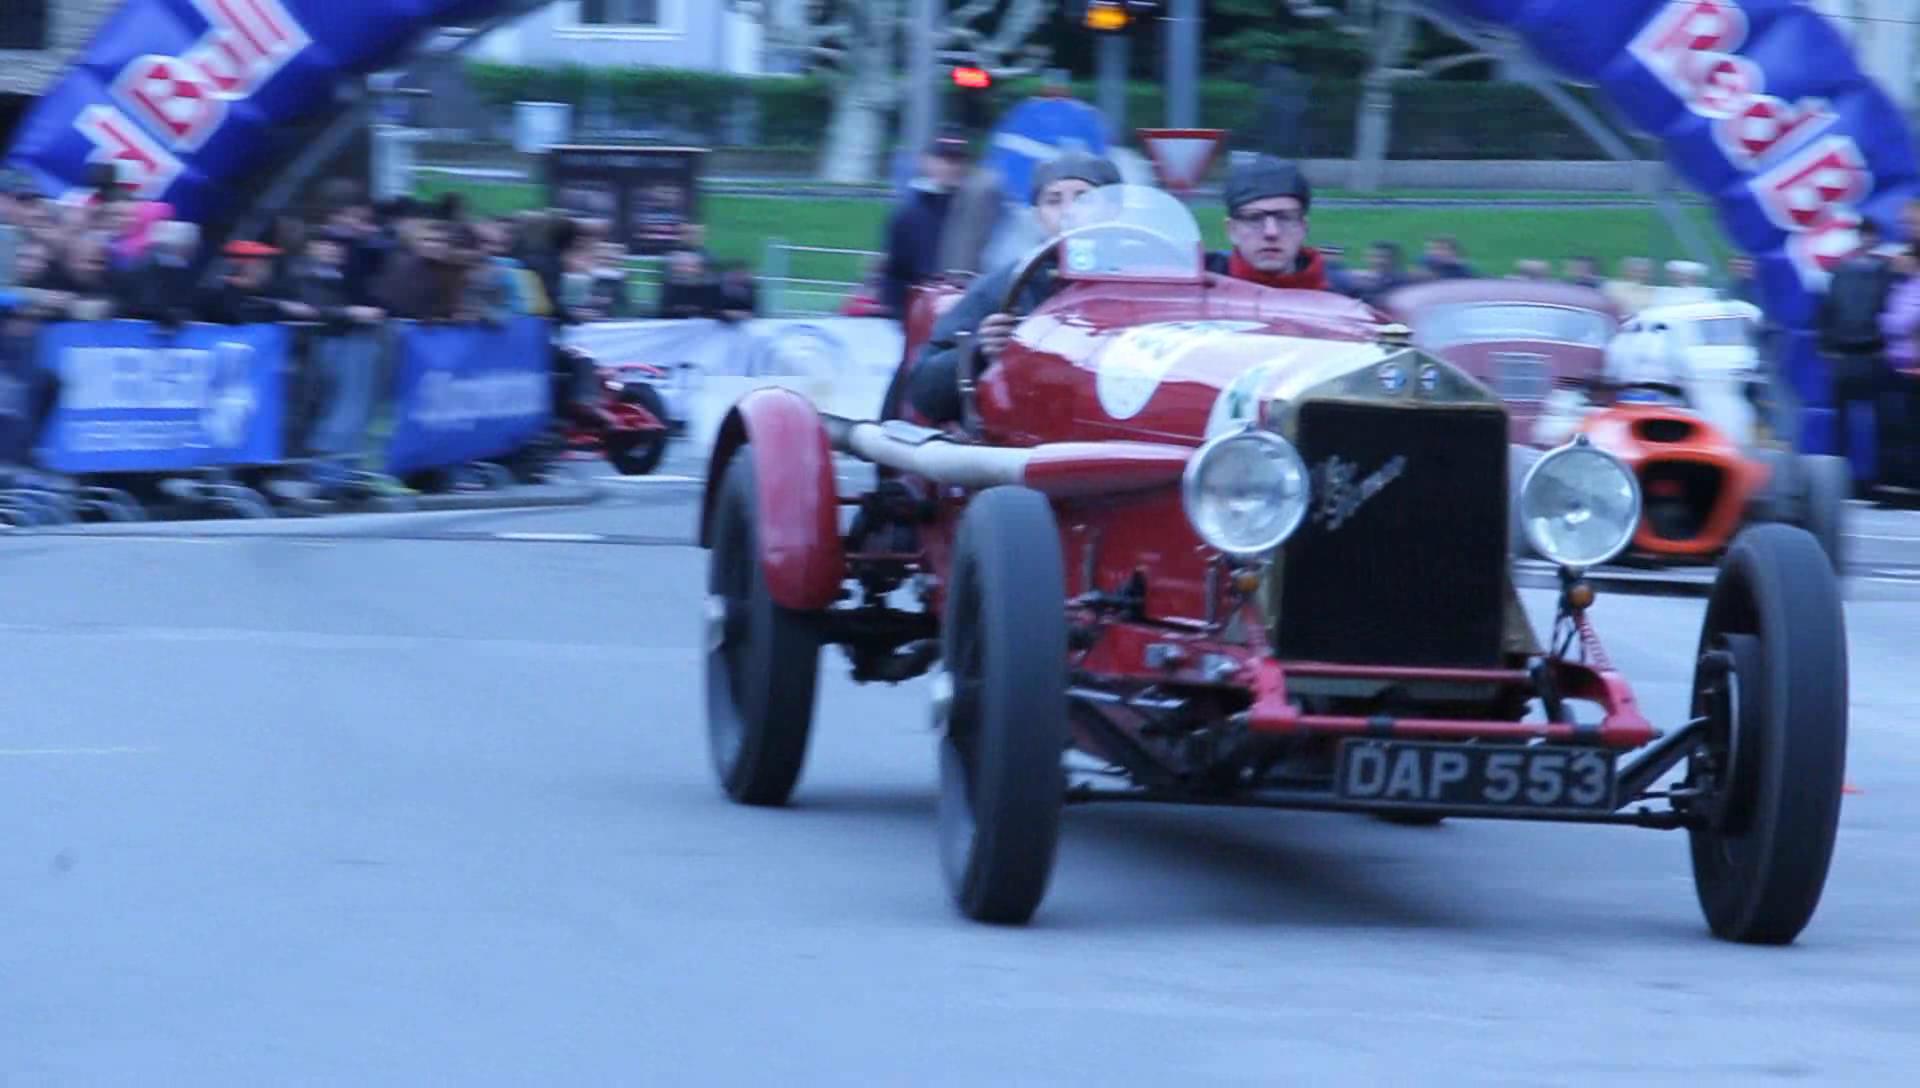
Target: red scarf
1311,275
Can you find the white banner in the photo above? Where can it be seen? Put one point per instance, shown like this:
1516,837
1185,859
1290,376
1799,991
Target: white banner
842,364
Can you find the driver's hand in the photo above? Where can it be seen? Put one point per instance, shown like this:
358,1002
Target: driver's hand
995,333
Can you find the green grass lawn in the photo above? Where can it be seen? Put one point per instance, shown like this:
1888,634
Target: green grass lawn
741,227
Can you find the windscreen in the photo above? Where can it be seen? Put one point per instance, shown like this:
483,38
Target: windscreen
1129,232
1483,323
1723,332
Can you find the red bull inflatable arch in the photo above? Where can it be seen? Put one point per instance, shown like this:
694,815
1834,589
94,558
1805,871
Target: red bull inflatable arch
1759,104
1762,109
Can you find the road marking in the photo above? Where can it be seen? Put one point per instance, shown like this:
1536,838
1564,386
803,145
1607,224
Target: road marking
118,751
565,538
325,641
1888,539
651,479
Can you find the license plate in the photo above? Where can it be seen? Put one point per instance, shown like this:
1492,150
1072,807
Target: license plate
1417,774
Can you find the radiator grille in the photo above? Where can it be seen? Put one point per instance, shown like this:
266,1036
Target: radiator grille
1403,559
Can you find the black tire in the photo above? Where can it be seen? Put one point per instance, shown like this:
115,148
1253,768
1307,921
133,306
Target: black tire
762,659
1779,498
1829,484
1772,683
640,456
1004,647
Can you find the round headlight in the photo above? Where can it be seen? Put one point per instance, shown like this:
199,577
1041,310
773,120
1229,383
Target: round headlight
1580,505
1246,492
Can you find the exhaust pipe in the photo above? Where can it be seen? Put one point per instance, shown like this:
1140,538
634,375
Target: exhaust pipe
1057,469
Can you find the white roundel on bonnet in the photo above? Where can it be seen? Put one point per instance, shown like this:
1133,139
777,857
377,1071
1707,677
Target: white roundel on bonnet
1136,361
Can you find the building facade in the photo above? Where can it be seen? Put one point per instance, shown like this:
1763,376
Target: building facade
709,35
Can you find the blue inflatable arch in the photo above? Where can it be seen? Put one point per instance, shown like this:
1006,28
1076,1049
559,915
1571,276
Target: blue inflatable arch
1762,109
1758,102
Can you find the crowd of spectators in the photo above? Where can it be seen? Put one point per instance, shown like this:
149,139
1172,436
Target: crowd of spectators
342,272
1384,269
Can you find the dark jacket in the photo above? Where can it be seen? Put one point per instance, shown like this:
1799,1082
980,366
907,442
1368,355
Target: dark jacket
699,298
931,387
913,246
1849,314
227,304
159,291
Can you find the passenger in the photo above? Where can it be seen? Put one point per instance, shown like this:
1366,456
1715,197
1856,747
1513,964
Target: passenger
1268,201
931,387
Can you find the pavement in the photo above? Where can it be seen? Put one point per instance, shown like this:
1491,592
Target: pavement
424,798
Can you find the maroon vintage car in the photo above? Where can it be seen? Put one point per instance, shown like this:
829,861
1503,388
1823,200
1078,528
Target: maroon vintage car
1519,338
1204,542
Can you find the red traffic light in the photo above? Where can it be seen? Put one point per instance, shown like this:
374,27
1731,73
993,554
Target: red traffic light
973,79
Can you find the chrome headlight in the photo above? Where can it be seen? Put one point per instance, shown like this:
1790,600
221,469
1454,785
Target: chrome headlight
1580,505
1246,492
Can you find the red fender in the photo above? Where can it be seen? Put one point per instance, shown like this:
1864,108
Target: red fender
799,505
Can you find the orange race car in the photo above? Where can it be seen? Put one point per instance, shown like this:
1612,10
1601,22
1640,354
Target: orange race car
1675,391
1699,487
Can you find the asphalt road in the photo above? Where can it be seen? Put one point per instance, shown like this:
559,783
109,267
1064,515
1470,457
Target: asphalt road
424,799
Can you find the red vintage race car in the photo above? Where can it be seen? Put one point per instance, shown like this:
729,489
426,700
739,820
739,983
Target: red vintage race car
1204,542
626,420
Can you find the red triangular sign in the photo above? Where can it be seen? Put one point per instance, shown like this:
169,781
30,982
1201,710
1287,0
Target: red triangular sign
1182,156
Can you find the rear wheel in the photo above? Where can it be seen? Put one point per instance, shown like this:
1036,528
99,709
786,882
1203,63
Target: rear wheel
762,659
1002,701
1771,686
1829,484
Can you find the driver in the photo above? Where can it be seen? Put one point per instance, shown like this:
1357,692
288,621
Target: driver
1057,183
1267,204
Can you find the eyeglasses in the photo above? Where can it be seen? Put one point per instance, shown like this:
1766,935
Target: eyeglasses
1285,220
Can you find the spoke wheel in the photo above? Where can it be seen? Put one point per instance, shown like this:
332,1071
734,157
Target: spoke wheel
762,659
1001,705
1771,686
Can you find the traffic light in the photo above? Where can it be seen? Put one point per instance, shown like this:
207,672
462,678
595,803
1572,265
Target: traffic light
975,87
1115,16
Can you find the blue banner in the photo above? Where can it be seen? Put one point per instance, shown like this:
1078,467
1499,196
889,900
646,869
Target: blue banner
136,398
186,96
466,393
20,383
1762,108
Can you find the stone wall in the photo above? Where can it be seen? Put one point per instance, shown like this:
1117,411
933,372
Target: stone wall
71,24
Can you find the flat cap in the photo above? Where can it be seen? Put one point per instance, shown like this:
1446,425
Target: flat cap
1263,178
1075,165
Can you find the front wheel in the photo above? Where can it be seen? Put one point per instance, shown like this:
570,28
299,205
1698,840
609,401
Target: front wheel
762,659
1766,779
1003,707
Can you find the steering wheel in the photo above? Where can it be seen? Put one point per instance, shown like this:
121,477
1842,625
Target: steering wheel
967,373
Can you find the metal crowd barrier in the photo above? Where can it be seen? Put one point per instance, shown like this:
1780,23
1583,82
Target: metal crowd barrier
35,495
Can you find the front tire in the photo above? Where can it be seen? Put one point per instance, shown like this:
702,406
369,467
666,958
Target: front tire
1771,683
1004,649
762,659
